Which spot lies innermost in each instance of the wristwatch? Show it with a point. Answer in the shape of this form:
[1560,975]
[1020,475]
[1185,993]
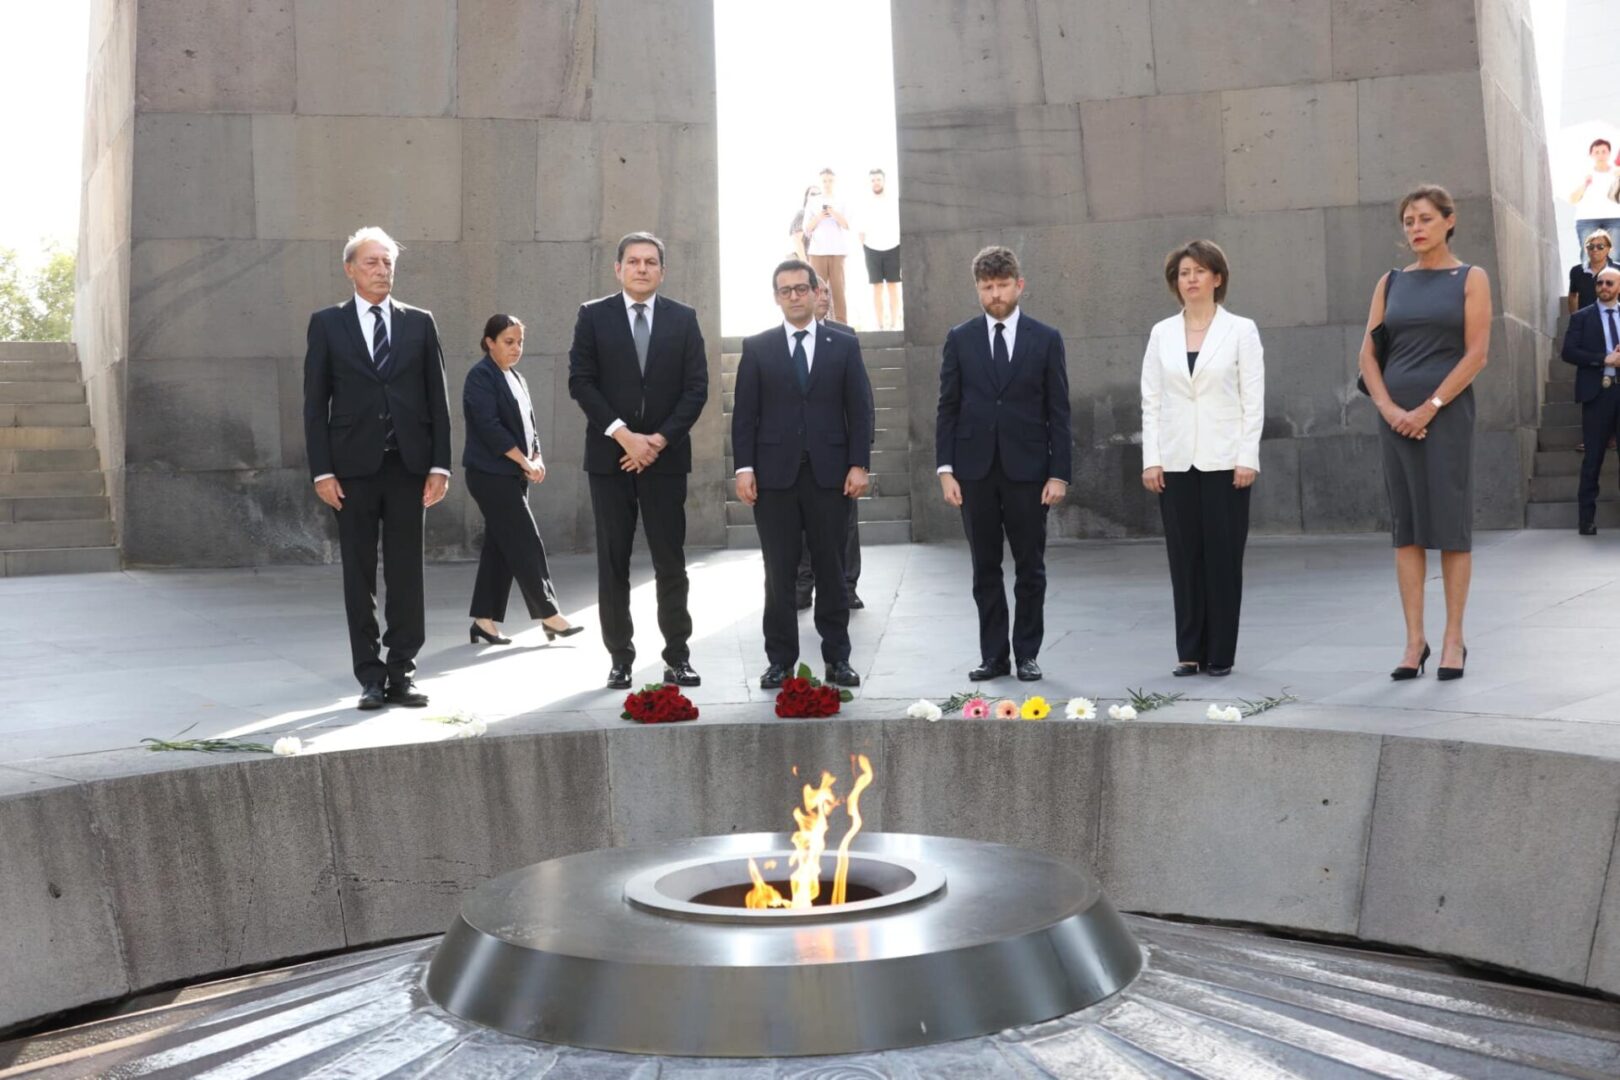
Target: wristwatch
[1436,402]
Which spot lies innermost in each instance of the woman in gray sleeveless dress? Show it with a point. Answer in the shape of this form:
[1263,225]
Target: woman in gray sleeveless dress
[1437,313]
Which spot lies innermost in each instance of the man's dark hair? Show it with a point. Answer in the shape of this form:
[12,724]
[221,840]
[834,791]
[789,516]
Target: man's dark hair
[641,238]
[1206,253]
[1599,142]
[496,326]
[790,265]
[994,263]
[878,172]
[827,172]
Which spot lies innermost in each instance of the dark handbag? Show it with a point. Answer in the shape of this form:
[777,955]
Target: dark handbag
[1380,336]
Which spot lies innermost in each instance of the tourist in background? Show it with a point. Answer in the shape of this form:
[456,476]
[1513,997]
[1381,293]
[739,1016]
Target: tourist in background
[502,458]
[1437,315]
[1595,197]
[1203,407]
[826,231]
[1599,247]
[796,227]
[1002,449]
[1592,344]
[880,240]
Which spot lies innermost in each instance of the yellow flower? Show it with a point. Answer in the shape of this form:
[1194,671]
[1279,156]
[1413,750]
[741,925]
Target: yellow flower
[1035,708]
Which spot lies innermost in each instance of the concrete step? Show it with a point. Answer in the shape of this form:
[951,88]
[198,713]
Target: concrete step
[887,484]
[20,461]
[39,370]
[882,508]
[46,438]
[37,415]
[1556,389]
[50,484]
[1560,414]
[19,508]
[81,560]
[1566,488]
[58,351]
[1565,515]
[26,392]
[746,537]
[22,536]
[1558,438]
[1565,462]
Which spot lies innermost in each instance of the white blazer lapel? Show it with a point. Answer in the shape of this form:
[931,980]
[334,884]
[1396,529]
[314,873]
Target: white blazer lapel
[1219,327]
[1173,350]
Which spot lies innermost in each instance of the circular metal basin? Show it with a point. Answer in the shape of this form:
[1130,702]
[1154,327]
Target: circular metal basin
[643,949]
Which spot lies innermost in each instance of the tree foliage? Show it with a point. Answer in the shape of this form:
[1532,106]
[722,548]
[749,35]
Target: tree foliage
[36,306]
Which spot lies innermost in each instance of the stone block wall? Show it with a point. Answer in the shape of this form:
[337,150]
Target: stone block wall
[1094,136]
[507,144]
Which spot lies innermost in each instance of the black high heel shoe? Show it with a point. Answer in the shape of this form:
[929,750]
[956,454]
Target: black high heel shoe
[1402,673]
[474,632]
[552,635]
[1446,674]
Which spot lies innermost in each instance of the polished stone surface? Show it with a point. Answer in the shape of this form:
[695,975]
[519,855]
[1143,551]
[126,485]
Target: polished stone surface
[91,664]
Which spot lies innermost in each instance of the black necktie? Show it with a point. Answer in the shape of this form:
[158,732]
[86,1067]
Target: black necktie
[998,351]
[379,340]
[1614,334]
[801,361]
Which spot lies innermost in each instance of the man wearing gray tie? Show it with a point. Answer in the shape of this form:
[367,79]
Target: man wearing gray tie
[638,370]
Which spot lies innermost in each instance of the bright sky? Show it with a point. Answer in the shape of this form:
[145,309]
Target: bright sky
[43,45]
[799,88]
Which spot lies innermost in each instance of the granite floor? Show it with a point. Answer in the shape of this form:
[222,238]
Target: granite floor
[89,665]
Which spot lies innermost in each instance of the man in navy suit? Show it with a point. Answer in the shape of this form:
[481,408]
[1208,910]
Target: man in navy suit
[801,435]
[1592,344]
[377,431]
[1002,448]
[638,370]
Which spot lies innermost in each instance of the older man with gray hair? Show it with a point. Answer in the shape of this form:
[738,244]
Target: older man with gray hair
[377,428]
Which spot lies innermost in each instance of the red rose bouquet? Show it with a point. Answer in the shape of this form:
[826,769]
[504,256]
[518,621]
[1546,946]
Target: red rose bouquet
[658,703]
[804,695]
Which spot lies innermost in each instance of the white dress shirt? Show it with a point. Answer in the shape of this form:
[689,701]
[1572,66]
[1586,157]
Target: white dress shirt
[525,409]
[630,313]
[809,355]
[368,325]
[1009,332]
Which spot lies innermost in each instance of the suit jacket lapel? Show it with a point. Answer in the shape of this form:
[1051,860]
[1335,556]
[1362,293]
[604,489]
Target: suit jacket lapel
[1020,352]
[662,332]
[403,331]
[1219,327]
[824,347]
[351,323]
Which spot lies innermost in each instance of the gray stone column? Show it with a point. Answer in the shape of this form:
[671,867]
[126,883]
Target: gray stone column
[1093,136]
[507,144]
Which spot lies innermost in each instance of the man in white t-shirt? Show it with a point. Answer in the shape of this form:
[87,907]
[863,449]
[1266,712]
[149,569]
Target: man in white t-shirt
[826,239]
[1594,196]
[880,239]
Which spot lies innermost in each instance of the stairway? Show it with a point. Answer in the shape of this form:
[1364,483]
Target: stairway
[54,517]
[885,512]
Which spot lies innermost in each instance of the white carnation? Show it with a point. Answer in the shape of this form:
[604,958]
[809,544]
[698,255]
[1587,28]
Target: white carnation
[1122,712]
[1229,713]
[289,746]
[923,709]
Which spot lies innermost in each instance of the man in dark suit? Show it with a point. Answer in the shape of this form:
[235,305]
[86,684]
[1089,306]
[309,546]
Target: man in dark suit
[1002,448]
[805,582]
[377,429]
[801,436]
[638,370]
[1592,344]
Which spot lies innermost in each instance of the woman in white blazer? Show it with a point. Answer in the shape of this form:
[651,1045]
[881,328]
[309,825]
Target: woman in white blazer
[1203,405]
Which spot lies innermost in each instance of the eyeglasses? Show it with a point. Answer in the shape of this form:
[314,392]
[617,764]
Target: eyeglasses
[788,292]
[1599,246]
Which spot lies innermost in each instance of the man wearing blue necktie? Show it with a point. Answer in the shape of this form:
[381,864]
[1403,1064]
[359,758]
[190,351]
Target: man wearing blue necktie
[1592,344]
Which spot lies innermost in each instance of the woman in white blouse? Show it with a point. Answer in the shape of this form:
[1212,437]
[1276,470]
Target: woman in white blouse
[1203,391]
[501,460]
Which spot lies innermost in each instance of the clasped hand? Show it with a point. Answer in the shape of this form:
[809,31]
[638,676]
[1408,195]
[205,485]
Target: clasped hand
[640,451]
[1413,423]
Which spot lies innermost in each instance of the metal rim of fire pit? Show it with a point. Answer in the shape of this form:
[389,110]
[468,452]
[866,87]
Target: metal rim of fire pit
[558,952]
[901,882]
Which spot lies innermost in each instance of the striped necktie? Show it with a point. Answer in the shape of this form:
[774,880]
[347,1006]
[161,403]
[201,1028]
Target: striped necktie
[379,340]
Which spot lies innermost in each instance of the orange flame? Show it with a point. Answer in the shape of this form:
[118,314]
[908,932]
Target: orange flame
[763,894]
[841,875]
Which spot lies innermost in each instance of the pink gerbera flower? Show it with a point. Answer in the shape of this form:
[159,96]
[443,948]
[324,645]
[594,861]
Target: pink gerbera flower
[975,708]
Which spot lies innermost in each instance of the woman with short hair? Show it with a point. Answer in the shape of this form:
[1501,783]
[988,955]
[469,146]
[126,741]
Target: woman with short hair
[1436,319]
[1203,406]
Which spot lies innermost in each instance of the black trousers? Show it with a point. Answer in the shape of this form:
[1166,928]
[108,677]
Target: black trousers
[992,509]
[659,499]
[386,505]
[806,579]
[512,549]
[788,520]
[1600,420]
[1206,525]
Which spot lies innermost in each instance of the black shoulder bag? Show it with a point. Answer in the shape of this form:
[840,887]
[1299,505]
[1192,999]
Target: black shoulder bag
[1380,335]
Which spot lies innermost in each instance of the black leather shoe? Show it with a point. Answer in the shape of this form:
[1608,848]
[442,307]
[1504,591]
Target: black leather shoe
[619,677]
[803,600]
[405,693]
[1588,528]
[989,670]
[1185,668]
[839,673]
[774,677]
[371,697]
[855,602]
[1029,671]
[681,674]
[1219,672]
